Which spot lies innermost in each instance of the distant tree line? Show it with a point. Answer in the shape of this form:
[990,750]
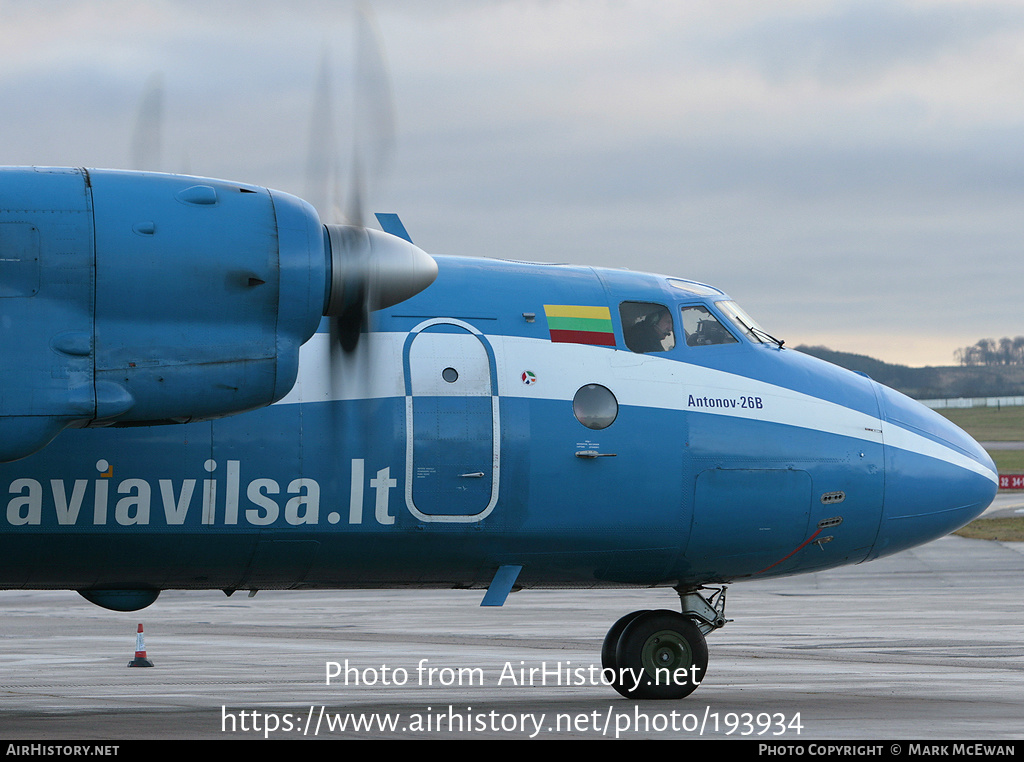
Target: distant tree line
[996,380]
[1006,351]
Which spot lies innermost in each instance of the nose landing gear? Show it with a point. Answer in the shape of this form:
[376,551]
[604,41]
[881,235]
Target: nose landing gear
[662,654]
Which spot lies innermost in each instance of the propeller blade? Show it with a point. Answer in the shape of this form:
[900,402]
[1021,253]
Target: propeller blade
[322,156]
[148,124]
[370,270]
[373,113]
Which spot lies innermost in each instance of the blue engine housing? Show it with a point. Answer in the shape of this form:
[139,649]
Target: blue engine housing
[131,298]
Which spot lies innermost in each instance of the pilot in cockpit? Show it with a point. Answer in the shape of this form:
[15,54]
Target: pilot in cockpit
[652,332]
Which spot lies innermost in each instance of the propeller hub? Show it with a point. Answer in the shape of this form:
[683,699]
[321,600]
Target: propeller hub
[371,270]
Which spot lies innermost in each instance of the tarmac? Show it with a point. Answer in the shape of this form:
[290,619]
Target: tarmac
[927,644]
[1006,504]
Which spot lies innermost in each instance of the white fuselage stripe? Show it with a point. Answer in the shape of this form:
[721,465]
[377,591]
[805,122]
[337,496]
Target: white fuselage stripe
[375,371]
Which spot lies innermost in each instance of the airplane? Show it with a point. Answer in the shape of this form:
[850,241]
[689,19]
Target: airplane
[205,387]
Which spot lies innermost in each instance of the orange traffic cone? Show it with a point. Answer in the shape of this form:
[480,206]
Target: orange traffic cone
[140,659]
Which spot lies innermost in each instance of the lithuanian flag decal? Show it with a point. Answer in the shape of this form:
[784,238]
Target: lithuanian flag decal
[576,324]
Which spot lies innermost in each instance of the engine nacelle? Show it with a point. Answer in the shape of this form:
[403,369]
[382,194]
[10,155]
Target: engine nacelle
[134,298]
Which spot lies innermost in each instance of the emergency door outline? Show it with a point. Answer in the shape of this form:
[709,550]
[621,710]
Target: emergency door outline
[426,377]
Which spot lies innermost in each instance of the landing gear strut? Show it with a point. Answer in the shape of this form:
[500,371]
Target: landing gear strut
[662,654]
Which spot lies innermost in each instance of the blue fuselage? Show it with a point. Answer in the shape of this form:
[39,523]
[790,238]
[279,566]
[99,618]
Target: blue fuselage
[501,417]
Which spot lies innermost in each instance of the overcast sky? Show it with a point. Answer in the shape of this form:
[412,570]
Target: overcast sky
[852,172]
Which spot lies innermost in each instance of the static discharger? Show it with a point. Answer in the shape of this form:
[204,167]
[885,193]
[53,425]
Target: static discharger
[140,659]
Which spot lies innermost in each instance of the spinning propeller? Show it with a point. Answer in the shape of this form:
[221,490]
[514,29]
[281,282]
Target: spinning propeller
[370,270]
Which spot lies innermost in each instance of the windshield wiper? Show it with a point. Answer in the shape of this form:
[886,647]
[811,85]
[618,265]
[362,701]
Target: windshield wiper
[764,335]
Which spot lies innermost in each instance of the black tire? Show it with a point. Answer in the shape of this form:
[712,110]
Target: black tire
[666,651]
[611,640]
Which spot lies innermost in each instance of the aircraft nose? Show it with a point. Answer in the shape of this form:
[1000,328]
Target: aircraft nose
[937,478]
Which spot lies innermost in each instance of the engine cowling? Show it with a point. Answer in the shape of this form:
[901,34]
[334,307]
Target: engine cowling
[134,298]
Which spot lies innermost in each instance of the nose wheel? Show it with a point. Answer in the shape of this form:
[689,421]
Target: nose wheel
[662,654]
[655,655]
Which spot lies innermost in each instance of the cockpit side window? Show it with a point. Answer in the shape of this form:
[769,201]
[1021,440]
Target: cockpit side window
[702,329]
[647,327]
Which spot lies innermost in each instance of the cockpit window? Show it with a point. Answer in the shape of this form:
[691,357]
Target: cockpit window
[702,329]
[746,324]
[647,327]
